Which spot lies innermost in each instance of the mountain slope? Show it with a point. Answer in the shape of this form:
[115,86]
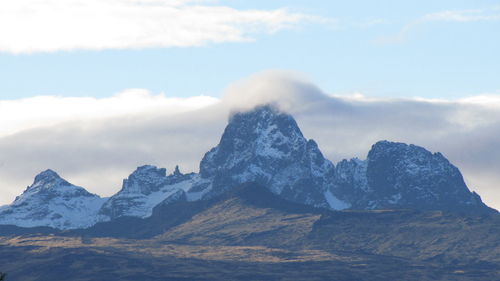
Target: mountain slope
[110,259]
[54,202]
[165,217]
[250,233]
[251,215]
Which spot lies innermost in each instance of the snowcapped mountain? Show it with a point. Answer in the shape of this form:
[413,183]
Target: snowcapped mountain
[54,202]
[267,147]
[398,175]
[145,188]
[264,146]
[409,176]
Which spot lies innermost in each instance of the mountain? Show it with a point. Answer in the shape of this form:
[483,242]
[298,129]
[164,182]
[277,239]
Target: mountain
[398,175]
[54,202]
[266,205]
[410,176]
[145,188]
[264,146]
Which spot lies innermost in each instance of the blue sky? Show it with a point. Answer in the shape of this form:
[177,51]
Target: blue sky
[431,49]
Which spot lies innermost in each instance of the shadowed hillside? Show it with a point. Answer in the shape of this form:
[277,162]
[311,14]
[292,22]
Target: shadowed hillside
[251,234]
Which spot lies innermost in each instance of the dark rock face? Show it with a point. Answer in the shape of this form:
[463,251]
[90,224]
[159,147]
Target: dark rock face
[267,147]
[350,182]
[398,175]
[401,175]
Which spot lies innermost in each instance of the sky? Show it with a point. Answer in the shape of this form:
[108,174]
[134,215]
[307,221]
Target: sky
[446,49]
[95,88]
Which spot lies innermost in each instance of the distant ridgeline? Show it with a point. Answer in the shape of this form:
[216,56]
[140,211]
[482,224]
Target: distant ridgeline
[266,147]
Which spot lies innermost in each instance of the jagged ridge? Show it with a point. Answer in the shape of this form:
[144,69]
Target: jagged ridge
[264,146]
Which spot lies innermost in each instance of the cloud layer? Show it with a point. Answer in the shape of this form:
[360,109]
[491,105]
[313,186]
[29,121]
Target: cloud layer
[28,26]
[43,111]
[99,147]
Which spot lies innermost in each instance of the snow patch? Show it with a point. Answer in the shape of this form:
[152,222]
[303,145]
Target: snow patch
[334,202]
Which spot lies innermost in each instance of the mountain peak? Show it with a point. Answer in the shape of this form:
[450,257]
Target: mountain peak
[264,116]
[52,201]
[412,158]
[263,132]
[260,113]
[46,176]
[400,174]
[266,146]
[145,188]
[149,170]
[46,180]
[144,180]
[177,171]
[385,145]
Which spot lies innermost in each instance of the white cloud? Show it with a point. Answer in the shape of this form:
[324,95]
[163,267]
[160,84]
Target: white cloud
[458,16]
[28,26]
[487,100]
[97,150]
[23,114]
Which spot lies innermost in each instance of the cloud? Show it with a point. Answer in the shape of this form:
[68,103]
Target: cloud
[452,16]
[290,90]
[104,140]
[98,150]
[19,115]
[460,16]
[29,26]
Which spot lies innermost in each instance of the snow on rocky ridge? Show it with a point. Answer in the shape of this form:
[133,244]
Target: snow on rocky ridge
[54,202]
[145,188]
[265,146]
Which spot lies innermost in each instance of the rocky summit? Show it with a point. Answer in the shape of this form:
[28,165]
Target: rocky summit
[54,202]
[266,146]
[263,146]
[409,176]
[397,176]
[145,188]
